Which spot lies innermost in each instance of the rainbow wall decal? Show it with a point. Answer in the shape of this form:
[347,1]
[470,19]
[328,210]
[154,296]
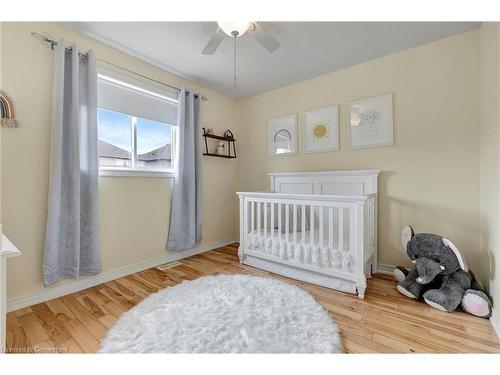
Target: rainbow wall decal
[6,111]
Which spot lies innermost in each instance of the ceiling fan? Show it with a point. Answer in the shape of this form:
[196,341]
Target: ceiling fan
[235,30]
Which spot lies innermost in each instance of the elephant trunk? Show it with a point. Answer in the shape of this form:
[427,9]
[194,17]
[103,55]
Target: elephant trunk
[427,270]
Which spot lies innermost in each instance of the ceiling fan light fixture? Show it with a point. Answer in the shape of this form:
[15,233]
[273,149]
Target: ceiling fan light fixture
[234,29]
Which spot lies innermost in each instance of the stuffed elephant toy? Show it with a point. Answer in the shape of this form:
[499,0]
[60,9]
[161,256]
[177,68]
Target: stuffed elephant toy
[440,275]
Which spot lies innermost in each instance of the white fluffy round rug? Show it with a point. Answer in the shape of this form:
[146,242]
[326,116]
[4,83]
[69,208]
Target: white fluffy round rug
[226,314]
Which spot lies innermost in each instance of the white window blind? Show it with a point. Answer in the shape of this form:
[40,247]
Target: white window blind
[139,100]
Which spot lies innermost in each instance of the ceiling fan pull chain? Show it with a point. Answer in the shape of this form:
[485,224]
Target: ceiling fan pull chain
[234,62]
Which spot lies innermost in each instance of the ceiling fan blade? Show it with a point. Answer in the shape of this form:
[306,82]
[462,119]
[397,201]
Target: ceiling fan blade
[214,42]
[268,41]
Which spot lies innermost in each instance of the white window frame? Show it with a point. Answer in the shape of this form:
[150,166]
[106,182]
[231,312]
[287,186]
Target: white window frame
[134,171]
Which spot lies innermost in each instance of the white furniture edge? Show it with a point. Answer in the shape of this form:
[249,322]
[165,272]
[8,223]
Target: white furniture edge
[7,250]
[366,172]
[312,197]
[88,282]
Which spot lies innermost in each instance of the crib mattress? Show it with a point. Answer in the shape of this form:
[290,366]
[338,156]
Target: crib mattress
[304,250]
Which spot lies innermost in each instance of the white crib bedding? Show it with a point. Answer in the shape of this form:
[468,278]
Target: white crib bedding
[322,255]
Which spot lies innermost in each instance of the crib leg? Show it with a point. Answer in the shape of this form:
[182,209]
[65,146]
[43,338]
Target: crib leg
[240,253]
[361,287]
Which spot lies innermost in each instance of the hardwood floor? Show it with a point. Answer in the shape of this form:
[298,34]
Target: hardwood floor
[384,322]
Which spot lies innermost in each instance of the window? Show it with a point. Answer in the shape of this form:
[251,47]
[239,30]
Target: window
[154,144]
[115,139]
[136,128]
[132,142]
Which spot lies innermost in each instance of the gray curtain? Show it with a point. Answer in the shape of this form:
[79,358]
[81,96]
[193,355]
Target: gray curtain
[72,232]
[185,215]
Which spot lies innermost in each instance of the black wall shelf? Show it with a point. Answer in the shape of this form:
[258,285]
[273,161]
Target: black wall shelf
[230,144]
[220,156]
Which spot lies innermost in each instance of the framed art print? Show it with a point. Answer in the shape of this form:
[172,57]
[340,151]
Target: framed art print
[282,134]
[321,130]
[371,122]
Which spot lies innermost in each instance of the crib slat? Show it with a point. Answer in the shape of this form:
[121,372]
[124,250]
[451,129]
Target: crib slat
[287,221]
[320,240]
[311,229]
[258,217]
[271,226]
[303,223]
[252,217]
[341,228]
[265,224]
[330,227]
[279,219]
[295,224]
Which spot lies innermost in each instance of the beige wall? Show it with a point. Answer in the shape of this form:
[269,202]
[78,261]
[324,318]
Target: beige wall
[490,159]
[430,177]
[134,211]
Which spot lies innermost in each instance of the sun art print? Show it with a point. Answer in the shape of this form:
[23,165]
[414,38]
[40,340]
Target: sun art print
[321,130]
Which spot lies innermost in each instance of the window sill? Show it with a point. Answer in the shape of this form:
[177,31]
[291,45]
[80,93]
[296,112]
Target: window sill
[129,172]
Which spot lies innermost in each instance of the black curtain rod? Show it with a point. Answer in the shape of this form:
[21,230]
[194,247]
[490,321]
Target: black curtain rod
[44,38]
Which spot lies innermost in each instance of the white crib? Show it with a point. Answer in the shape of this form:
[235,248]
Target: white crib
[318,227]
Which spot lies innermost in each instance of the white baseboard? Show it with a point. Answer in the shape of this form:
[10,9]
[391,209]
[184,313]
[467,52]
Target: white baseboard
[88,282]
[385,269]
[495,322]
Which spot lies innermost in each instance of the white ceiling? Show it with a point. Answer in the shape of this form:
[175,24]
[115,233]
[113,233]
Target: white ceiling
[308,49]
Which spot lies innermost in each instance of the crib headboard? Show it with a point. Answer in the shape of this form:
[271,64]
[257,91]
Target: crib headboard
[325,183]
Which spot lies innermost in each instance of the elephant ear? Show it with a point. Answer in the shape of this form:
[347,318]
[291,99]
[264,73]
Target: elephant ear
[406,235]
[460,258]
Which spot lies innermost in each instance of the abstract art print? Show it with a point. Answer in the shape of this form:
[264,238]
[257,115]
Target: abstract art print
[283,135]
[321,130]
[371,122]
